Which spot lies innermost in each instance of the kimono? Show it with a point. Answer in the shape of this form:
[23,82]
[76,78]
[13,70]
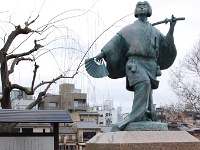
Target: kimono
[139,52]
[144,43]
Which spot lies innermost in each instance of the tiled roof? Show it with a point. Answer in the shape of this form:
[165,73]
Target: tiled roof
[33,125]
[34,116]
[86,125]
[67,129]
[88,113]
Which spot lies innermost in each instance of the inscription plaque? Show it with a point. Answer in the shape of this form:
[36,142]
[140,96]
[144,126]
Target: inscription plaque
[27,143]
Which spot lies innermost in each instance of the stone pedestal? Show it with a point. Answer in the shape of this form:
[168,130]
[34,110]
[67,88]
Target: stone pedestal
[143,140]
[146,126]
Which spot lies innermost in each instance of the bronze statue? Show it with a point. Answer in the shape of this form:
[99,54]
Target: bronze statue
[139,52]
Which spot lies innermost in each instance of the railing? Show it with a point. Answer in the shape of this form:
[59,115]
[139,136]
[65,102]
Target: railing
[80,106]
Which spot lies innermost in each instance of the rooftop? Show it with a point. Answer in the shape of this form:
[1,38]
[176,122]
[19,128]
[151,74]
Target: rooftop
[33,125]
[88,113]
[67,129]
[86,125]
[34,116]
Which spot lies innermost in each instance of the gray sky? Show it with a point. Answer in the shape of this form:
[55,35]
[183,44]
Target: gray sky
[103,14]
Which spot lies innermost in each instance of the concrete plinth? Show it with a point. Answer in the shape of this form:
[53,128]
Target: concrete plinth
[146,126]
[143,140]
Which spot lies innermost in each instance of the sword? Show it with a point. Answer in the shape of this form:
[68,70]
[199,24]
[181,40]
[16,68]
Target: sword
[168,20]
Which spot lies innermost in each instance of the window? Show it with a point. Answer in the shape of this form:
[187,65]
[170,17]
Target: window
[27,130]
[70,110]
[71,147]
[70,137]
[159,113]
[108,114]
[53,104]
[15,94]
[21,107]
[79,102]
[61,138]
[88,135]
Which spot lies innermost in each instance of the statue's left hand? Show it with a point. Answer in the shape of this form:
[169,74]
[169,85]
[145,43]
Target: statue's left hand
[172,24]
[173,21]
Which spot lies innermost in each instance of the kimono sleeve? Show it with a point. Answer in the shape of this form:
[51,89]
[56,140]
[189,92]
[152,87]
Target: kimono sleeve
[167,52]
[115,51]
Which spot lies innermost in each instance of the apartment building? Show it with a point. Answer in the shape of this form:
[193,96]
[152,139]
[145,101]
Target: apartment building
[108,115]
[69,98]
[20,100]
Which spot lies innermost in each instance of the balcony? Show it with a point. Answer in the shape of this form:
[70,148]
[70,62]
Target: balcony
[80,104]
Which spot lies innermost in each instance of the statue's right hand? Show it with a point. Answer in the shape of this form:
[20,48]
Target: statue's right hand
[100,56]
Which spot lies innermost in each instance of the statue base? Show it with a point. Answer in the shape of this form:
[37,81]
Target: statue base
[142,126]
[144,140]
[146,126]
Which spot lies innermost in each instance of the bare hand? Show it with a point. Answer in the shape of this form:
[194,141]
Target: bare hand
[172,24]
[173,21]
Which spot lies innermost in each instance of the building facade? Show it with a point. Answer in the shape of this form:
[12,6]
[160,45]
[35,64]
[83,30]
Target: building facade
[108,115]
[20,100]
[68,138]
[32,128]
[161,116]
[69,98]
[85,131]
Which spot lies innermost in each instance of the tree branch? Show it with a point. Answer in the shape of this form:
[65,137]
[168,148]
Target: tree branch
[34,76]
[43,93]
[27,24]
[16,62]
[18,30]
[22,88]
[36,47]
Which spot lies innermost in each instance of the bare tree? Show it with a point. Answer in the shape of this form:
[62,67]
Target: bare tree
[173,112]
[185,79]
[11,57]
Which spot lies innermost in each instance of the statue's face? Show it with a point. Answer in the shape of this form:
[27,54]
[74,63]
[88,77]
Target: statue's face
[142,9]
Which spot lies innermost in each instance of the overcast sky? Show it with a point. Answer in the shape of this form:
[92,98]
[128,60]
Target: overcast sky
[102,15]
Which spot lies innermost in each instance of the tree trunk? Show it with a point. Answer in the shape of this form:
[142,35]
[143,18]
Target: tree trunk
[6,86]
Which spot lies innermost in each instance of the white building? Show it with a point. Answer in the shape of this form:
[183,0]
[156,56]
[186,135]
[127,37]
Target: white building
[107,113]
[20,100]
[18,94]
[22,104]
[32,128]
